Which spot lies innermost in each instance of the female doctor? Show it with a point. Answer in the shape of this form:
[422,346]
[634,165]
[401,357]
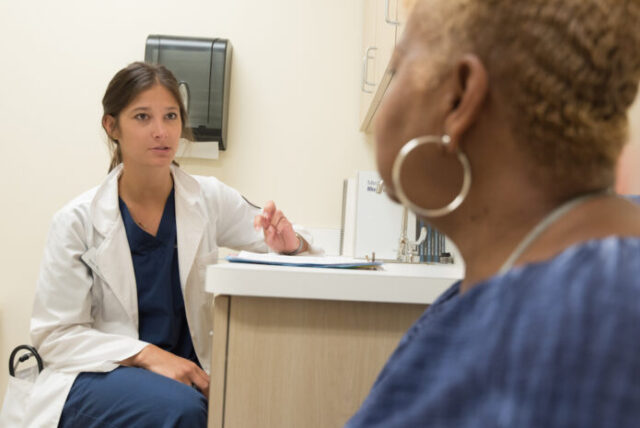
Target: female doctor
[121,317]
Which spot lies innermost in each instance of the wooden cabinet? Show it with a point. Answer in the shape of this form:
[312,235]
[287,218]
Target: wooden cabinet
[384,22]
[298,362]
[301,347]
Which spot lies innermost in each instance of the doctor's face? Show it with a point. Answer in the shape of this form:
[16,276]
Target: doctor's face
[149,128]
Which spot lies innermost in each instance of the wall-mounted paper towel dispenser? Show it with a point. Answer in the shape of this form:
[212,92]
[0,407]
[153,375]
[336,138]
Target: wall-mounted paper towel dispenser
[202,66]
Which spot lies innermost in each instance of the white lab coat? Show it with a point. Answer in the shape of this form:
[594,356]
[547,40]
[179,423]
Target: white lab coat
[85,315]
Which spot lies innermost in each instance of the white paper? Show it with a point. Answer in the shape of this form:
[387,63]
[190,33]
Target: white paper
[325,261]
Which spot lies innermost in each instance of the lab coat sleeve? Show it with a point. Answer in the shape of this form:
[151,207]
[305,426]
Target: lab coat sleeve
[62,323]
[235,224]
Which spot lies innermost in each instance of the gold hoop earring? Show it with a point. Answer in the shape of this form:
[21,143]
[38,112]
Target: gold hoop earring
[397,167]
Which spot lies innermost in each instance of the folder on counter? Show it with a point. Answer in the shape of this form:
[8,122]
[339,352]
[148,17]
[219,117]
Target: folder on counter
[302,261]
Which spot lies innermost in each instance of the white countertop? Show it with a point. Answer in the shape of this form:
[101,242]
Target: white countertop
[396,283]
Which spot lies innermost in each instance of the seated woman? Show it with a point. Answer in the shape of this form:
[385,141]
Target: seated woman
[502,127]
[121,317]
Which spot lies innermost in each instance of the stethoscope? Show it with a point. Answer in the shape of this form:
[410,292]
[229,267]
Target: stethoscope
[31,352]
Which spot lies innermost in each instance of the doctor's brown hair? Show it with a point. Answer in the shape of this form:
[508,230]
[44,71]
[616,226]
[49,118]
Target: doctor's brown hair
[567,70]
[126,85]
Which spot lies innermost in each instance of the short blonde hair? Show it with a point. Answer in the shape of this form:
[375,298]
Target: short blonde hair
[567,69]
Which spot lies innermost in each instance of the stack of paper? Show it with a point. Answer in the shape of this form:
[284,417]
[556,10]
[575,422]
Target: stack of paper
[302,261]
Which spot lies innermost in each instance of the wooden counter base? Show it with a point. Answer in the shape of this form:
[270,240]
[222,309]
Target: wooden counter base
[280,362]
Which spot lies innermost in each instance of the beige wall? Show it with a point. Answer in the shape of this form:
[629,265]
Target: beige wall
[629,165]
[293,131]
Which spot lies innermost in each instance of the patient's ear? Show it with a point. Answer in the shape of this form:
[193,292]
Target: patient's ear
[470,91]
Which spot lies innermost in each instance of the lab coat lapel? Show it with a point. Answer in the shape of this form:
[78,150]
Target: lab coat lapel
[191,220]
[112,256]
[115,264]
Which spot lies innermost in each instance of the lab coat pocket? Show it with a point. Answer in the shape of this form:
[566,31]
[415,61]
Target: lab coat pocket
[17,397]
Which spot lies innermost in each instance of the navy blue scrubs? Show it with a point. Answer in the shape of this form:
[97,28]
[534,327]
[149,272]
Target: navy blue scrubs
[130,396]
[161,314]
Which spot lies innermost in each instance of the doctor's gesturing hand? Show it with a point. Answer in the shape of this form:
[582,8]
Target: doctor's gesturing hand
[278,231]
[165,363]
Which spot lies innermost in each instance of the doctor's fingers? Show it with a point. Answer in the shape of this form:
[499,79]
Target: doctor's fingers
[284,226]
[259,222]
[266,217]
[273,239]
[269,209]
[277,218]
[190,374]
[269,234]
[201,381]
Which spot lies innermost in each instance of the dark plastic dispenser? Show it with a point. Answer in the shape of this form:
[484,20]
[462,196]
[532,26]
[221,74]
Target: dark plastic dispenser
[202,66]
